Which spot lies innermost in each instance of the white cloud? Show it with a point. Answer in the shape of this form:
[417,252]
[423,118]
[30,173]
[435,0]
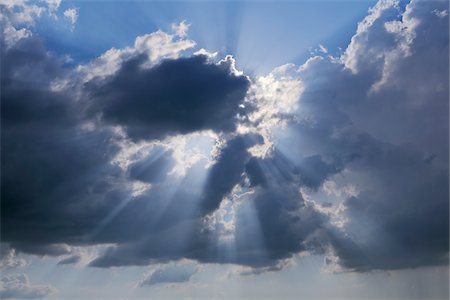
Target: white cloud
[18,286]
[25,14]
[323,49]
[9,259]
[156,46]
[18,16]
[180,29]
[160,45]
[52,5]
[13,35]
[404,32]
[274,96]
[71,15]
[206,53]
[359,42]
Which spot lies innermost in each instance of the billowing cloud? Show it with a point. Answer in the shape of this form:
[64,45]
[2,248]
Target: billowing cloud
[156,46]
[227,171]
[18,18]
[375,118]
[175,97]
[381,113]
[47,149]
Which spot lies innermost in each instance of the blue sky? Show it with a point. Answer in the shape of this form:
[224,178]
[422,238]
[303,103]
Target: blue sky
[282,33]
[224,150]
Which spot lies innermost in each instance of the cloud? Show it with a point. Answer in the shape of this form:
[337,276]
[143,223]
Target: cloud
[180,29]
[71,15]
[18,286]
[19,17]
[154,47]
[170,275]
[227,171]
[53,5]
[90,154]
[175,97]
[361,113]
[152,168]
[9,258]
[47,149]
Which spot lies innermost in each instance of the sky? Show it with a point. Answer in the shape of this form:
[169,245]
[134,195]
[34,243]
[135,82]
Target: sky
[224,149]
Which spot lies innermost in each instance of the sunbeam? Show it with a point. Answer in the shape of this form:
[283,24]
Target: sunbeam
[224,149]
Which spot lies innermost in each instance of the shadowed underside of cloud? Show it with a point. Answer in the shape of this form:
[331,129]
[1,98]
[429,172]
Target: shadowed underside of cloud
[170,275]
[70,260]
[379,114]
[175,97]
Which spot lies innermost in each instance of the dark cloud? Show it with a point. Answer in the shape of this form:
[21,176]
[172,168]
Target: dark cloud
[42,249]
[153,168]
[59,186]
[70,260]
[175,97]
[51,166]
[383,124]
[26,77]
[227,170]
[281,226]
[276,218]
[310,171]
[397,207]
[276,169]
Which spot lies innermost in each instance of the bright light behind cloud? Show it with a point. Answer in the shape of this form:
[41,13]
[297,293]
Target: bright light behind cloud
[216,156]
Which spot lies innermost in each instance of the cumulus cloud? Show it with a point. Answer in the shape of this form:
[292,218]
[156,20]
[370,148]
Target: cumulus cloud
[155,47]
[76,193]
[41,133]
[227,171]
[360,113]
[175,97]
[71,174]
[19,17]
[18,286]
